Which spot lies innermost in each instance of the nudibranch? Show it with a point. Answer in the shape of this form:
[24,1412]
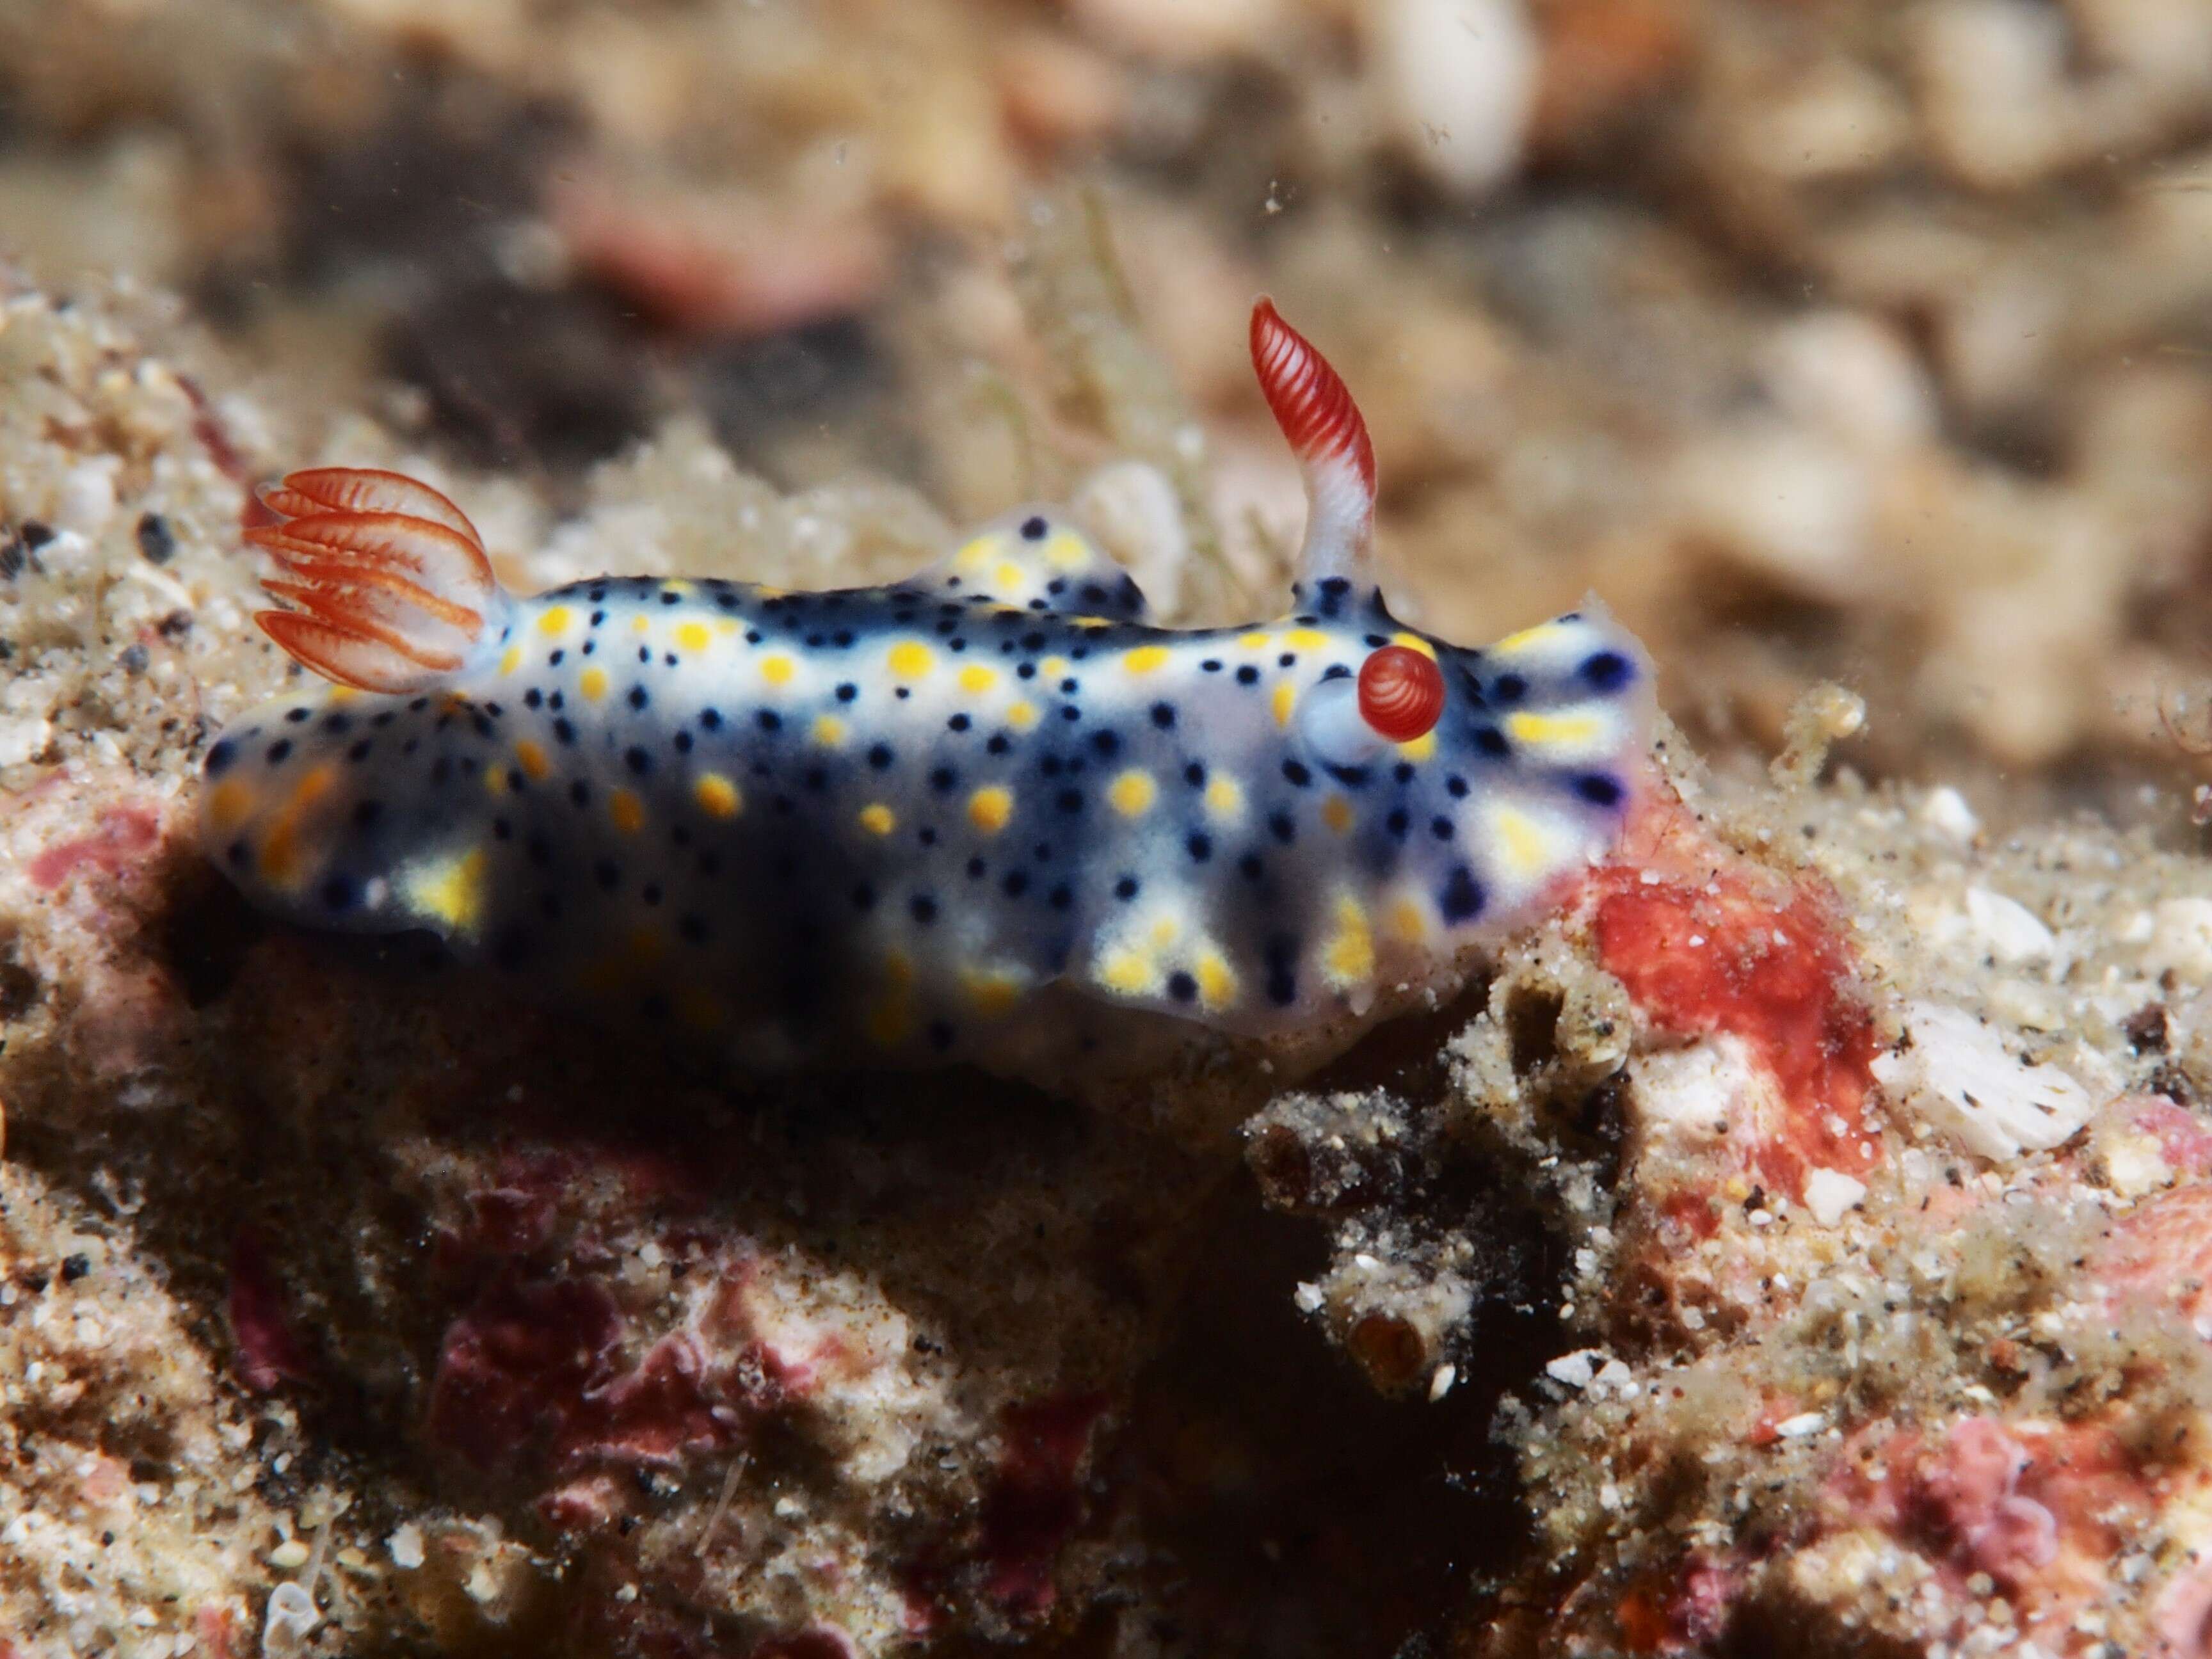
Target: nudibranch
[929,819]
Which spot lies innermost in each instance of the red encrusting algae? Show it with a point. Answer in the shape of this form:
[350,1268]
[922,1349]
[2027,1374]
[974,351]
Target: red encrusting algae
[1710,945]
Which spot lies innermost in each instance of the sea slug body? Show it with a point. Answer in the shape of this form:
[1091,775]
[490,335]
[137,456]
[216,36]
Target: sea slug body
[885,820]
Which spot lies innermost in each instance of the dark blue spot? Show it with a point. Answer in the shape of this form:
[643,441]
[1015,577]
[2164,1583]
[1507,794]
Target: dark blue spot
[1609,671]
[219,757]
[1598,789]
[1462,896]
[1181,986]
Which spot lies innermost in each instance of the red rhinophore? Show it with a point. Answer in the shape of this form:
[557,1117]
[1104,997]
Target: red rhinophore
[1311,402]
[1401,693]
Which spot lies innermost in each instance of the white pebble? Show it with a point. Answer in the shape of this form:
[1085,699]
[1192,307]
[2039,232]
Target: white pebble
[1831,1194]
[1958,1076]
[406,1546]
[1576,1369]
[2181,939]
[1945,810]
[1459,80]
[2007,929]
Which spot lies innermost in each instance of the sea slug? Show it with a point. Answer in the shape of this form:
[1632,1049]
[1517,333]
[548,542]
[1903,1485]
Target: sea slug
[918,820]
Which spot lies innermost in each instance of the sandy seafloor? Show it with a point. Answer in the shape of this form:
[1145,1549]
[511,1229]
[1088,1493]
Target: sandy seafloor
[1798,1244]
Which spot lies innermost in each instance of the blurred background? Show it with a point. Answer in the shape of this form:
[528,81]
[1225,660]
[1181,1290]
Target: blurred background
[1867,341]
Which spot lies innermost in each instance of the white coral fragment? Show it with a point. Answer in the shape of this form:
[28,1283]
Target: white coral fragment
[1956,1074]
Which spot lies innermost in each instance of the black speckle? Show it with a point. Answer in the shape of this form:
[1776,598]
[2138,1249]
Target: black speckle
[1181,986]
[1163,715]
[341,892]
[639,697]
[637,760]
[1441,829]
[564,730]
[1061,898]
[943,780]
[1282,827]
[1296,772]
[1508,688]
[1457,786]
[672,598]
[1069,800]
[1194,776]
[1033,528]
[1015,883]
[1126,888]
[1397,822]
[1492,742]
[1200,846]
[1598,789]
[847,691]
[280,752]
[75,1267]
[1247,675]
[768,720]
[710,720]
[219,757]
[155,539]
[879,756]
[1107,743]
[295,716]
[922,907]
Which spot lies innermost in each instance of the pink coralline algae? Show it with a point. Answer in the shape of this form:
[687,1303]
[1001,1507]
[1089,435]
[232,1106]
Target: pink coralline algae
[121,836]
[1035,1502]
[537,1366]
[270,1351]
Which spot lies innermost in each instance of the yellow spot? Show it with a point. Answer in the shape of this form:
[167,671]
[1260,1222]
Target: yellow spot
[510,659]
[1420,748]
[1021,715]
[1305,639]
[1255,641]
[677,585]
[991,992]
[1216,981]
[627,811]
[591,684]
[279,857]
[228,805]
[777,669]
[910,660]
[1336,813]
[555,622]
[1225,799]
[1008,577]
[1146,658]
[1530,639]
[341,694]
[1093,622]
[1414,642]
[1569,731]
[1349,955]
[726,626]
[695,637]
[988,810]
[764,592]
[976,678]
[450,890]
[1528,847]
[1066,552]
[717,796]
[877,819]
[828,731]
[1133,793]
[641,623]
[974,556]
[1053,667]
[891,1018]
[1409,921]
[1165,931]
[701,1010]
[532,760]
[1131,975]
[1284,700]
[498,780]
